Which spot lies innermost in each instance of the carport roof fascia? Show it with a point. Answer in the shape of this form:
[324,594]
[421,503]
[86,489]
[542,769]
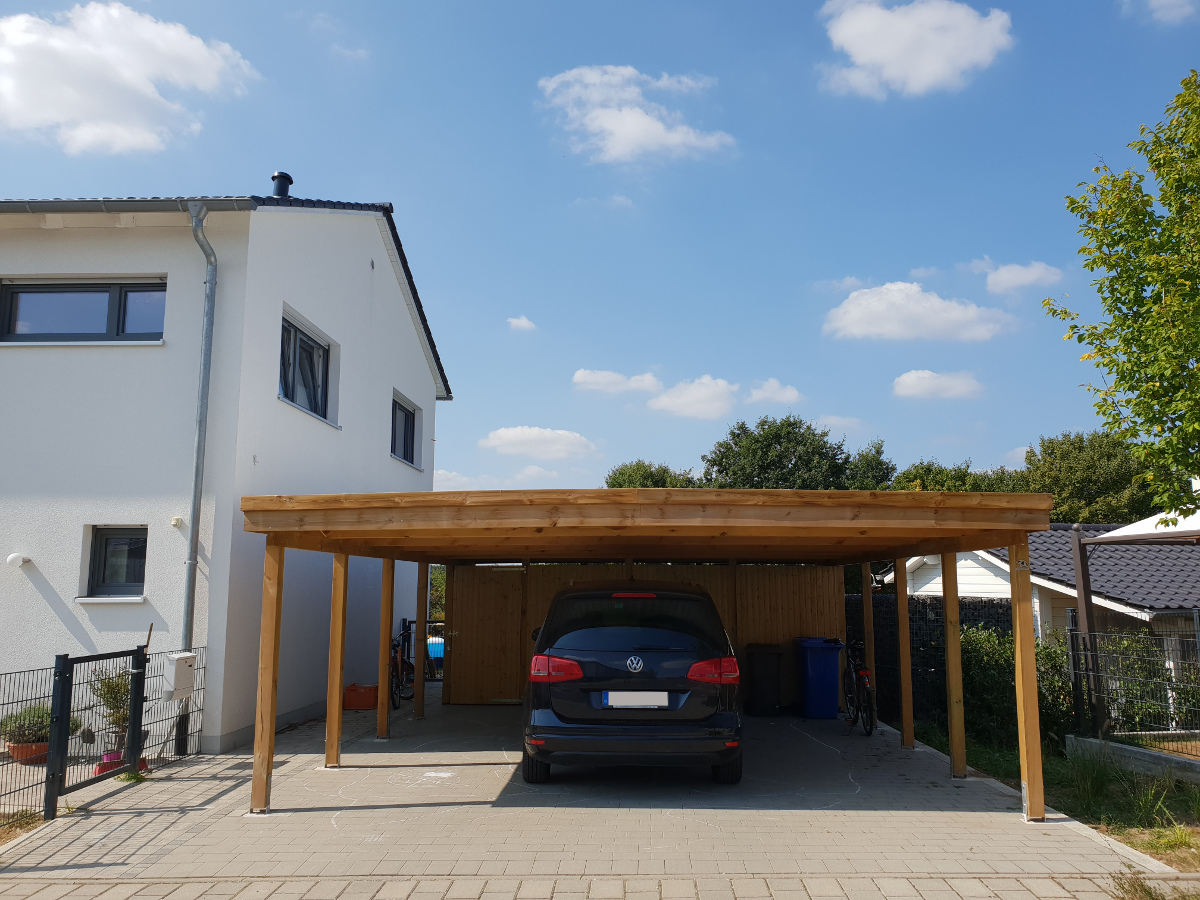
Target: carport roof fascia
[777,526]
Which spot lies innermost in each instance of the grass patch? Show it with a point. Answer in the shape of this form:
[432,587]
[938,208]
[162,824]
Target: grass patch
[130,777]
[1133,886]
[13,825]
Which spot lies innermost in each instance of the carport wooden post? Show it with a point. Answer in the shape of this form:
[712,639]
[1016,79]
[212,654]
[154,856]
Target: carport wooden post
[268,677]
[906,702]
[868,619]
[419,630]
[1029,729]
[954,692]
[387,593]
[337,662]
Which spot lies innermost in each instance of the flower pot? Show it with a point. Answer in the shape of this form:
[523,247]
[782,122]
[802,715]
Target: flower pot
[113,755]
[29,754]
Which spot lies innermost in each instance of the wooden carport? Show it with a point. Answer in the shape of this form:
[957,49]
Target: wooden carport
[823,528]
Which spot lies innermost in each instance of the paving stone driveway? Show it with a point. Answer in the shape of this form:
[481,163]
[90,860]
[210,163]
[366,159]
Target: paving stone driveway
[440,813]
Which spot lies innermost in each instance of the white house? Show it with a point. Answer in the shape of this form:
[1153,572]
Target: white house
[324,378]
[1135,587]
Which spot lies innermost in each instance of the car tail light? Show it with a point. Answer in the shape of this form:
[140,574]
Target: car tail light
[715,671]
[551,669]
[643,596]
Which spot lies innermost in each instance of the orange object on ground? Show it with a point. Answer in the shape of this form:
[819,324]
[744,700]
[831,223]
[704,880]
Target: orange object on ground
[360,696]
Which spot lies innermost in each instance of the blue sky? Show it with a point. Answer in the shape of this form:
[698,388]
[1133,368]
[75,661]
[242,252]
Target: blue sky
[633,224]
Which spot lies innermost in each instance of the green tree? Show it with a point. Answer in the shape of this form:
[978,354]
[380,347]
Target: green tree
[931,475]
[1094,477]
[792,453]
[1145,243]
[641,474]
[437,593]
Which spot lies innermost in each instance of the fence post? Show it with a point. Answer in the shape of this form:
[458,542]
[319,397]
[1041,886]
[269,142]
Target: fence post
[1077,682]
[60,735]
[137,701]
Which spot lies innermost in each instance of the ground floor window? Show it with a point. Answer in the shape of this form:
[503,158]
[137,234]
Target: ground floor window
[118,562]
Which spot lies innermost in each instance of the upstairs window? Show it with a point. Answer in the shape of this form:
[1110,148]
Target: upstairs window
[404,432]
[304,370]
[118,562]
[82,312]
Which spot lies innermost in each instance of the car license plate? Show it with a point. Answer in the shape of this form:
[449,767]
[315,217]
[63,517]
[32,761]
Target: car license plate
[636,699]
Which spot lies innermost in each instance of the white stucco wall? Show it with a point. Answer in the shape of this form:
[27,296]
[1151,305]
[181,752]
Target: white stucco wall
[104,436]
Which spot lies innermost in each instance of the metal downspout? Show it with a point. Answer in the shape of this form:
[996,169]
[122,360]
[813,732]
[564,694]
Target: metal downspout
[198,212]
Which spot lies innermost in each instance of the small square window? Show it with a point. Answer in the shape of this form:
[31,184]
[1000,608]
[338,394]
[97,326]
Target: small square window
[304,370]
[118,562]
[404,432]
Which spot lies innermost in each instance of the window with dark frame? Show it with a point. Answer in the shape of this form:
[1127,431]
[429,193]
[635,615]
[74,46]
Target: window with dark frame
[404,432]
[118,562]
[304,370]
[82,312]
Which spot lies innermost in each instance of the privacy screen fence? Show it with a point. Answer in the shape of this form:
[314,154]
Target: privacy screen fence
[87,719]
[1140,689]
[927,639]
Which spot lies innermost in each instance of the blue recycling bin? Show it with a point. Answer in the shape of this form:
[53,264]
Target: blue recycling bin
[817,676]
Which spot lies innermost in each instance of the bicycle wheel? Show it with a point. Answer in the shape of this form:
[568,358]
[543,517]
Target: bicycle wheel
[866,704]
[406,680]
[394,686]
[849,685]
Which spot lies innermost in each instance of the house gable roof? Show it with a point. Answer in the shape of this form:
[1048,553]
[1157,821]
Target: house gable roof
[249,203]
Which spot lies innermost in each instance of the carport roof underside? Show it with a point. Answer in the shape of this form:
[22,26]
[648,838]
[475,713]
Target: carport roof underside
[692,525]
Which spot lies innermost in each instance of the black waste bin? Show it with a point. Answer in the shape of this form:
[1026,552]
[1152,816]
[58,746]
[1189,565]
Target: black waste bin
[817,676]
[764,664]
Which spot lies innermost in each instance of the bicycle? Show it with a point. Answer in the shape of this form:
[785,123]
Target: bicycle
[403,673]
[856,686]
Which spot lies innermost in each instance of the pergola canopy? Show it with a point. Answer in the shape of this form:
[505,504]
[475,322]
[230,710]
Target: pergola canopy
[670,525]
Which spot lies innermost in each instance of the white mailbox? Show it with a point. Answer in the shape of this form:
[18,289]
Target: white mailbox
[179,675]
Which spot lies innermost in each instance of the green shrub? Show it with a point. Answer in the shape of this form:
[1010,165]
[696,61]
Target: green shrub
[30,725]
[112,690]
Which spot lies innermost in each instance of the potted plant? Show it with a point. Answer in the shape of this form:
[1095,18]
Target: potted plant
[112,690]
[27,734]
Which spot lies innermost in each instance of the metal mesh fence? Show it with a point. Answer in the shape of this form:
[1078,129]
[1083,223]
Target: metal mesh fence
[25,731]
[927,641]
[98,727]
[1140,689]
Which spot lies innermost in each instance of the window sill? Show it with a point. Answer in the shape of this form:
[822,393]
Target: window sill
[307,412]
[132,598]
[11,344]
[407,463]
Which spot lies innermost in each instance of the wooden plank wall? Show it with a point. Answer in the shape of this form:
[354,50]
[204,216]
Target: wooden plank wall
[492,617]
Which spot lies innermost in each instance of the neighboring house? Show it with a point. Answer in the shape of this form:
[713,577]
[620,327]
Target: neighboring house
[324,379]
[1134,587]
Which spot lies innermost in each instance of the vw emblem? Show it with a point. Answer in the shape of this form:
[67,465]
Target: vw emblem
[634,663]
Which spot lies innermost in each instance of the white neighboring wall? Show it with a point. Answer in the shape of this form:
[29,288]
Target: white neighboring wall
[103,435]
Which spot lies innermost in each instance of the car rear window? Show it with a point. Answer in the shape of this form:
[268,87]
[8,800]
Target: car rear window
[595,621]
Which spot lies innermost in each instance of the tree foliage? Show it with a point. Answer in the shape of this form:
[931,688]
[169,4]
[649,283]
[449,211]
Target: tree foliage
[642,474]
[1094,477]
[1145,245]
[931,475]
[437,593]
[792,453]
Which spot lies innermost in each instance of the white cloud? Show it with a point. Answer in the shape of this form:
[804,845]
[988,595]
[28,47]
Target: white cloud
[445,480]
[613,121]
[521,323]
[538,443]
[534,473]
[772,391]
[92,76]
[356,53]
[704,398]
[616,201]
[849,283]
[921,383]
[1166,11]
[839,423]
[901,310]
[614,382]
[923,272]
[1012,277]
[1015,458]
[913,48]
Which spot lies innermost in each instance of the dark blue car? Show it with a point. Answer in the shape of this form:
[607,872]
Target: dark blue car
[633,677]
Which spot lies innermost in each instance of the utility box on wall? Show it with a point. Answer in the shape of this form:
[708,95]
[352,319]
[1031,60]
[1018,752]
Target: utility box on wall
[179,675]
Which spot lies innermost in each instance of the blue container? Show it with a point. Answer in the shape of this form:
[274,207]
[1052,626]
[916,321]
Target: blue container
[817,676]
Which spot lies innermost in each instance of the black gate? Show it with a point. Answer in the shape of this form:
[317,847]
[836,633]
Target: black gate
[95,721]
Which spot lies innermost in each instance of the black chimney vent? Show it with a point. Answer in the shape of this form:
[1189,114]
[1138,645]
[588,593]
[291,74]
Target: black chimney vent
[282,182]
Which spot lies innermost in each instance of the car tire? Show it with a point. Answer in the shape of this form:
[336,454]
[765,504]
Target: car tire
[533,770]
[728,772]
